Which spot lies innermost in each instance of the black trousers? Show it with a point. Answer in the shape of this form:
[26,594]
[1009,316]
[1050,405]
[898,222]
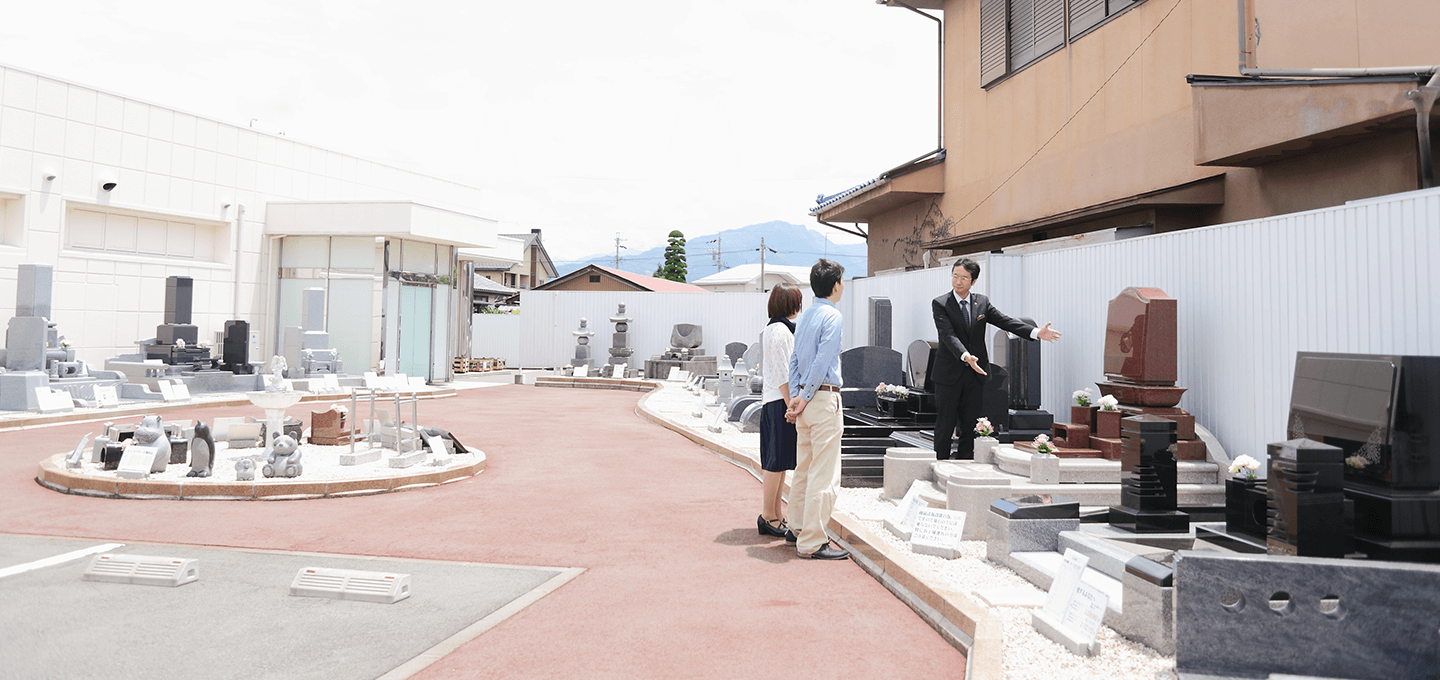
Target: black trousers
[957,407]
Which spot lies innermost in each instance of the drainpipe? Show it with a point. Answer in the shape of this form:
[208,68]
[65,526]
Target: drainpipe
[1424,96]
[239,247]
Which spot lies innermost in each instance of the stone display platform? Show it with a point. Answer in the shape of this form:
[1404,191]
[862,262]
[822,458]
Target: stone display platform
[323,478]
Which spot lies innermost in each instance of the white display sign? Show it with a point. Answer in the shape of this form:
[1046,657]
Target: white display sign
[167,391]
[937,532]
[582,371]
[181,391]
[1066,580]
[49,401]
[106,397]
[902,520]
[1085,611]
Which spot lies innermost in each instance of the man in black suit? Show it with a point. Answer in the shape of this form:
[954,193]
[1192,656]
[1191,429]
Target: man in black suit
[960,318]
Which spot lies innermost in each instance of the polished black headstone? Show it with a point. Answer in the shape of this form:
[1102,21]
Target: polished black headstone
[1042,506]
[880,321]
[1246,503]
[862,369]
[1021,359]
[235,355]
[1307,506]
[179,296]
[920,354]
[1148,495]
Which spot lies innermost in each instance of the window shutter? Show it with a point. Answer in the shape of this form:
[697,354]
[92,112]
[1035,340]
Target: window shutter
[1049,25]
[993,44]
[1084,14]
[1117,5]
[1022,32]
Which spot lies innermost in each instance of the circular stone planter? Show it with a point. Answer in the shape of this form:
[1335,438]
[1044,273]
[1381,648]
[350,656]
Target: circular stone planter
[365,480]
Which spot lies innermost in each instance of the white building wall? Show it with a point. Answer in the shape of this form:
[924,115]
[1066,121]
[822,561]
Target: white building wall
[169,164]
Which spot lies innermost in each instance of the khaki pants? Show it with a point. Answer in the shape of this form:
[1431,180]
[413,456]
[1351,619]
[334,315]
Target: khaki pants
[817,470]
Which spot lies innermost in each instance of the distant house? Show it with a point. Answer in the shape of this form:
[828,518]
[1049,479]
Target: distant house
[518,261]
[746,278]
[489,294]
[595,277]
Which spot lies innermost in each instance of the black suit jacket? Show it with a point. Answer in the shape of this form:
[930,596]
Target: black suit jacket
[956,338]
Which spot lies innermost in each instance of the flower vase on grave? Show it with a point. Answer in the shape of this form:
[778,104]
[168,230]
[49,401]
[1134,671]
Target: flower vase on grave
[985,449]
[1085,415]
[892,407]
[1107,424]
[1245,506]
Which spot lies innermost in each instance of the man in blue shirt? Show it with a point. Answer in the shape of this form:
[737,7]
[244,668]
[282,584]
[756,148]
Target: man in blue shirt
[815,410]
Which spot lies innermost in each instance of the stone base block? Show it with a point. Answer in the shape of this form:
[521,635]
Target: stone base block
[1045,470]
[1143,395]
[903,467]
[1190,449]
[405,460]
[17,390]
[1184,422]
[1109,448]
[1083,415]
[948,552]
[1149,521]
[1005,535]
[360,457]
[1071,435]
[1107,424]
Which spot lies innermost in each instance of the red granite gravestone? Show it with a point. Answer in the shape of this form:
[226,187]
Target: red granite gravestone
[1141,350]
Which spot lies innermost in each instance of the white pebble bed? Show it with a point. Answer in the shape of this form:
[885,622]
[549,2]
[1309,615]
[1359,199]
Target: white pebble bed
[1028,655]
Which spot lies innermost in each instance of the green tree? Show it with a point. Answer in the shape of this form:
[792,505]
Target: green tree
[674,267]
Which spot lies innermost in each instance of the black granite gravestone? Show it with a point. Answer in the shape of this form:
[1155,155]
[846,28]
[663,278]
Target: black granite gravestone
[880,321]
[1307,506]
[862,369]
[1148,495]
[1383,412]
[922,388]
[235,355]
[176,339]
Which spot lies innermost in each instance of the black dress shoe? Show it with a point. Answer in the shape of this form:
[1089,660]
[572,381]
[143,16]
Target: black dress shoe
[768,529]
[827,552]
[790,537]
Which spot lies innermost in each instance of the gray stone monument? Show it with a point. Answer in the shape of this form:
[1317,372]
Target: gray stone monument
[880,321]
[177,340]
[735,350]
[307,347]
[35,353]
[582,345]
[620,349]
[684,353]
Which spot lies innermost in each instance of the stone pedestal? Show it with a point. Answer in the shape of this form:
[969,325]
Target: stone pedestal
[903,466]
[1148,492]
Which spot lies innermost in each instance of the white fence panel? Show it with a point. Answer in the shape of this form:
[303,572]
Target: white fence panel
[549,319]
[496,336]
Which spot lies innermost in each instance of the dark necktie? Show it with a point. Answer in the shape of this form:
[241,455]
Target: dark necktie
[965,312]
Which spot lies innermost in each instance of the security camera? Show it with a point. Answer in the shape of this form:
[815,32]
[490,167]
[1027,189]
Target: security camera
[108,183]
[49,175]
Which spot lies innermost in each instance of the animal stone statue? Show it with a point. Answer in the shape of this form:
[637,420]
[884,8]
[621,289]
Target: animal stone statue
[244,470]
[202,451]
[284,460]
[151,434]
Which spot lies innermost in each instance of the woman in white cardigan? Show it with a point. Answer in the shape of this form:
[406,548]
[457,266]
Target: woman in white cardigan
[777,437]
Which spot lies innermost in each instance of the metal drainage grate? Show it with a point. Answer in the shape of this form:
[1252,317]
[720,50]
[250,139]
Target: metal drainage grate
[143,569]
[348,584]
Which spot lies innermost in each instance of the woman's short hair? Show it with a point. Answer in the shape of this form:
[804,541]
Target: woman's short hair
[785,301]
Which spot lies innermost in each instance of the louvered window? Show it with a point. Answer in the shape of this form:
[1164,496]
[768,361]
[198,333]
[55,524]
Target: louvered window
[1014,33]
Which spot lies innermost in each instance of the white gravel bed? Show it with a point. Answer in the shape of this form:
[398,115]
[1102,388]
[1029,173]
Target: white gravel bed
[1028,654]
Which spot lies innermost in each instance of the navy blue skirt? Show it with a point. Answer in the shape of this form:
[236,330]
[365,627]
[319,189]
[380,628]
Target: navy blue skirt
[777,438]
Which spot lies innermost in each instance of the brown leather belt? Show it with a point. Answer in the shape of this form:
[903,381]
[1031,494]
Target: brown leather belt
[830,388]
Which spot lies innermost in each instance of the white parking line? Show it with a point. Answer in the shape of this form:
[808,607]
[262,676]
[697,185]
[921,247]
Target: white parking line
[58,559]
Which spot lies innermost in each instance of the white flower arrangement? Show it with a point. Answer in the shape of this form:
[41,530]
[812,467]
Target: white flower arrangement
[899,391]
[1043,445]
[1082,397]
[1356,461]
[1108,402]
[1246,463]
[984,428]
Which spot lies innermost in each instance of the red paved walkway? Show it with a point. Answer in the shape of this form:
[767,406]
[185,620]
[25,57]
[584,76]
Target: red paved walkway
[678,584]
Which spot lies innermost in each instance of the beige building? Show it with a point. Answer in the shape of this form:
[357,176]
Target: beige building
[593,277]
[517,261]
[1066,117]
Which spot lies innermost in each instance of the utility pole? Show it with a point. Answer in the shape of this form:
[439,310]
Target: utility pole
[715,254]
[618,247]
[762,264]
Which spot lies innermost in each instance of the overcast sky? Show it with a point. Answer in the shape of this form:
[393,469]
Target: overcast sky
[579,117]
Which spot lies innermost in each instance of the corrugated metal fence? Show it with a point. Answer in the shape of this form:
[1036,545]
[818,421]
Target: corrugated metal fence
[1356,278]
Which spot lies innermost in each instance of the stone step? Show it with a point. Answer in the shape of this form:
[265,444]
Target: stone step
[1108,557]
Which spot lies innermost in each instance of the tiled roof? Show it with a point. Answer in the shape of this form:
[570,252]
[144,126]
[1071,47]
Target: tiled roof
[652,283]
[485,285]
